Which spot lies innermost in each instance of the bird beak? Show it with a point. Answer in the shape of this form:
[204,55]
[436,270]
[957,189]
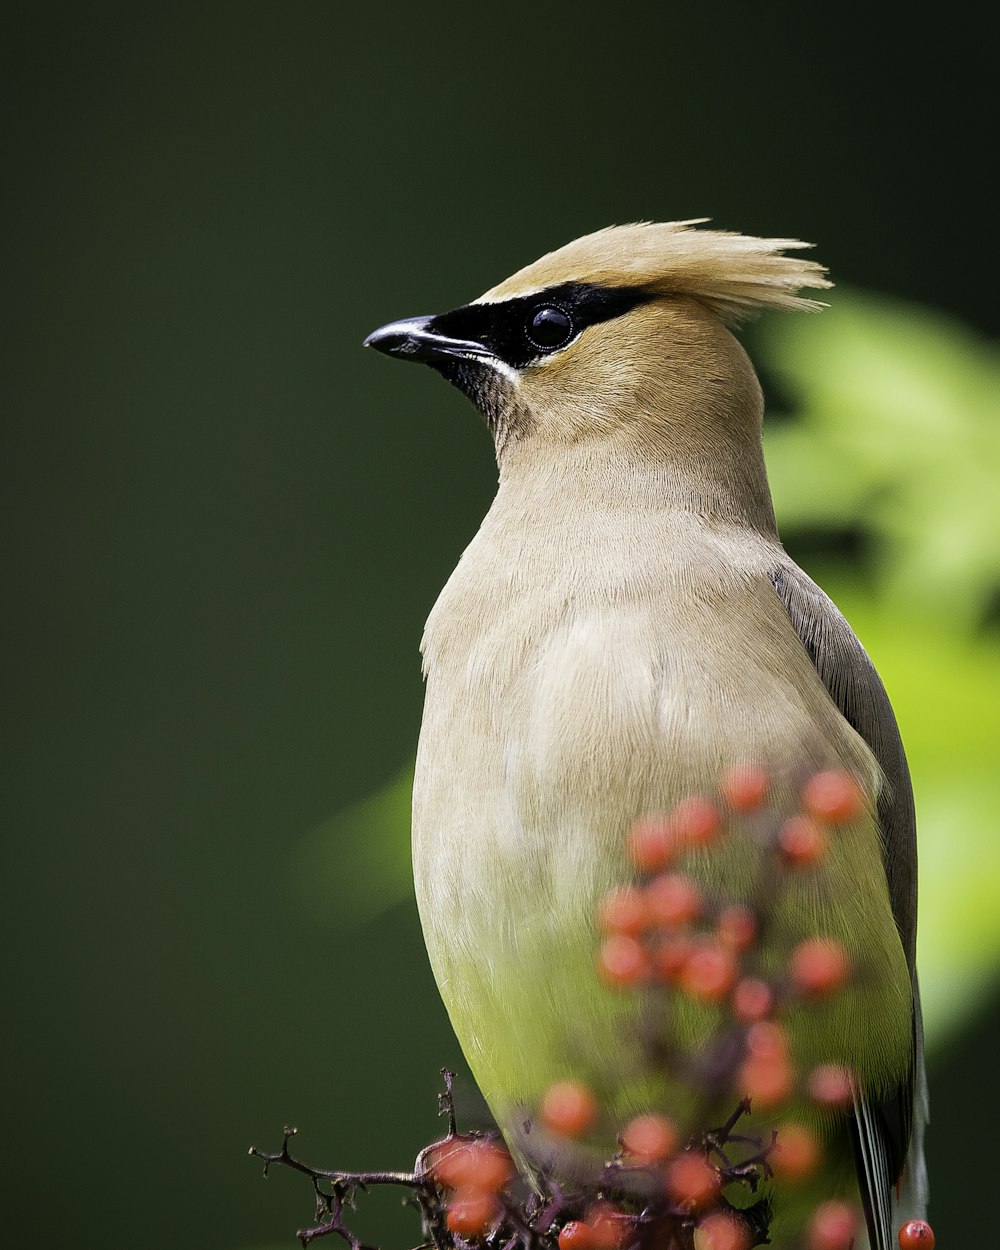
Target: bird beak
[414,338]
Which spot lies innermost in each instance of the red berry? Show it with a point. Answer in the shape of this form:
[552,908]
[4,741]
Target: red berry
[609,1227]
[472,1164]
[650,1138]
[830,1085]
[768,1040]
[737,927]
[695,820]
[576,1235]
[441,1162]
[670,956]
[766,1080]
[492,1167]
[722,1232]
[752,1000]
[672,900]
[833,796]
[471,1212]
[651,843]
[801,841]
[447,1162]
[819,966]
[833,1227]
[709,972]
[745,786]
[623,910]
[796,1154]
[916,1235]
[569,1108]
[692,1182]
[622,960]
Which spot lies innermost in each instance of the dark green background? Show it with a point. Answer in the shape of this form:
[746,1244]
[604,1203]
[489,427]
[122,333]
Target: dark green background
[225,523]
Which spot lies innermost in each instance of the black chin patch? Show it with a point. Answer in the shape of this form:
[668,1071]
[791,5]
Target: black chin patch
[492,394]
[505,327]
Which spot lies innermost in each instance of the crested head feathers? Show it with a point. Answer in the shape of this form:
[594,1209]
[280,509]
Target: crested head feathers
[737,276]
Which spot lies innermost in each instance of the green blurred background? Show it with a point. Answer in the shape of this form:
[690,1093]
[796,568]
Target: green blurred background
[226,523]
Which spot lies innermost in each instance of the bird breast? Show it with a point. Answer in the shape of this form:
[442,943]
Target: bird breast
[576,682]
[579,676]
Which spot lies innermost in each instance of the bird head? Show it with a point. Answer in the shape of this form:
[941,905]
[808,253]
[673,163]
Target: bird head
[620,340]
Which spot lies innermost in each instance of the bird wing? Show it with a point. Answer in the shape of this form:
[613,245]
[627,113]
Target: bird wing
[887,1130]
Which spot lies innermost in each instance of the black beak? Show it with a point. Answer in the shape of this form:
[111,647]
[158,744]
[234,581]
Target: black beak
[414,338]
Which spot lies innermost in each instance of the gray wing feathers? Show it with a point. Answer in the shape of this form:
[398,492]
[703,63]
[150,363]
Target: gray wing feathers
[856,688]
[888,1131]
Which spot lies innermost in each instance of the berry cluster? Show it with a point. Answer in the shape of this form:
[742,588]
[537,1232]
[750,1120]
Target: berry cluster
[473,1172]
[654,929]
[670,1184]
[662,930]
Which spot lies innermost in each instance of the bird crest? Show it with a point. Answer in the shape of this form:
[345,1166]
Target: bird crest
[736,275]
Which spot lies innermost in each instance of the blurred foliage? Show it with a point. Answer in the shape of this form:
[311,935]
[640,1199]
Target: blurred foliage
[897,434]
[884,480]
[356,865]
[896,437]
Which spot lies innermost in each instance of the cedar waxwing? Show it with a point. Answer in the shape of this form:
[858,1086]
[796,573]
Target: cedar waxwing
[624,625]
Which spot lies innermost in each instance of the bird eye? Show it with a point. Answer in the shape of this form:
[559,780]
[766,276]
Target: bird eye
[549,327]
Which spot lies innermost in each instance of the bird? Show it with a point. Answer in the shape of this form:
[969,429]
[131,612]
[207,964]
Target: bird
[625,621]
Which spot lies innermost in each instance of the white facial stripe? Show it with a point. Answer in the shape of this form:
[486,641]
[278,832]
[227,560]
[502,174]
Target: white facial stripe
[498,366]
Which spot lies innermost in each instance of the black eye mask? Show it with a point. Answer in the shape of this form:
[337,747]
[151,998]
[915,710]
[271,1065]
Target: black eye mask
[519,331]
